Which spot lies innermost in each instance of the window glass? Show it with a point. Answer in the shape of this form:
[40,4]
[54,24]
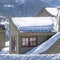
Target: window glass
[29,42]
[25,42]
[32,41]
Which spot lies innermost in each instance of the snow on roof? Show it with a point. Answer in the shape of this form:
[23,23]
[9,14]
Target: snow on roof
[40,21]
[52,11]
[34,24]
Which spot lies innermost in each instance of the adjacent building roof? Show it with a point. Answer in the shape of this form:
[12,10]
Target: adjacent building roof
[52,11]
[30,24]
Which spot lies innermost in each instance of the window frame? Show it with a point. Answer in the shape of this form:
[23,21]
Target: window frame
[35,42]
[29,41]
[25,41]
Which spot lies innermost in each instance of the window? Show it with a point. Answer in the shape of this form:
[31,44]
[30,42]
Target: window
[25,42]
[13,41]
[32,41]
[29,42]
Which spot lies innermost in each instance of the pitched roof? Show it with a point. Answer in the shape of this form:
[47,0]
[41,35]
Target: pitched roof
[52,11]
[41,24]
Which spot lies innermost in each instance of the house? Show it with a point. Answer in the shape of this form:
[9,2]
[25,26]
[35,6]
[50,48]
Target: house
[29,32]
[47,12]
[2,36]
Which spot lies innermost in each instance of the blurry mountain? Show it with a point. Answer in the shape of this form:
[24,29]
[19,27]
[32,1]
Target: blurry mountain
[20,7]
[51,3]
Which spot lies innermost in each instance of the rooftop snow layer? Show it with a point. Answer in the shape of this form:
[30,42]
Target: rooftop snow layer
[52,11]
[33,21]
[40,24]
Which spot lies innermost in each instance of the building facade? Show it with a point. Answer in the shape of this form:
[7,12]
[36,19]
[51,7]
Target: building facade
[18,38]
[21,42]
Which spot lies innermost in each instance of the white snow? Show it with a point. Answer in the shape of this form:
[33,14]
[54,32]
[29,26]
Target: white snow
[30,57]
[7,44]
[35,24]
[33,21]
[52,11]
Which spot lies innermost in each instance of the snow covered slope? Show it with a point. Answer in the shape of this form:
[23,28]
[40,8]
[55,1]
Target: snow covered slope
[29,57]
[46,45]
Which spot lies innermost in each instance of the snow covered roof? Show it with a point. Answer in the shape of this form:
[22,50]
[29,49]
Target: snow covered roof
[52,11]
[34,24]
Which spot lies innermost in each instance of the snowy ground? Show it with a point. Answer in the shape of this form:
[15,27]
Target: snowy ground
[29,57]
